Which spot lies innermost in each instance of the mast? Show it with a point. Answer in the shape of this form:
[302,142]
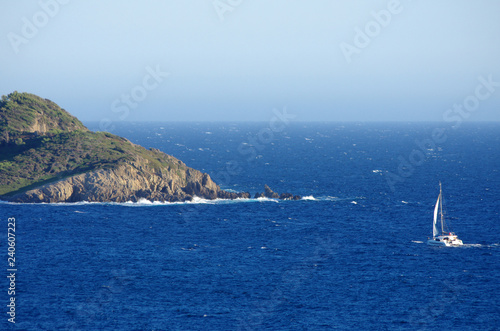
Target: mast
[441,207]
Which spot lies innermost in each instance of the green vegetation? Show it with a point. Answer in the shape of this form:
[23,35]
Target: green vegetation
[23,113]
[66,148]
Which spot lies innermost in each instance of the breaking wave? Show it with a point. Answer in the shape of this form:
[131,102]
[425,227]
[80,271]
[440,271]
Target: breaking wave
[196,200]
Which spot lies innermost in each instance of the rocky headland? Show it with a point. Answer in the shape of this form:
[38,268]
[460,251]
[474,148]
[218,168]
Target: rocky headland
[48,155]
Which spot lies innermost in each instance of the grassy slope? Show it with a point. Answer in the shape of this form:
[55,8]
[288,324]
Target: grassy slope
[19,111]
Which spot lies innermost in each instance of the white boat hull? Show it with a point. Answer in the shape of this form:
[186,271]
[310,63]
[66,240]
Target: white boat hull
[445,241]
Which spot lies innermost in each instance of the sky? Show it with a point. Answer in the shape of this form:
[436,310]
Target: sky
[241,60]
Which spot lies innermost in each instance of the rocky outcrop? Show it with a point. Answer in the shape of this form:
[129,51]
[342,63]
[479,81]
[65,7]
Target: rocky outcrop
[268,193]
[129,182]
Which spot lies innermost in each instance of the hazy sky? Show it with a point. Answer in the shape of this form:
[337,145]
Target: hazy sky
[325,60]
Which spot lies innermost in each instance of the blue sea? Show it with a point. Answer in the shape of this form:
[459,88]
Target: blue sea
[350,255]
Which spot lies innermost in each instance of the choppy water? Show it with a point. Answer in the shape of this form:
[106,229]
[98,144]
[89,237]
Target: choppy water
[350,255]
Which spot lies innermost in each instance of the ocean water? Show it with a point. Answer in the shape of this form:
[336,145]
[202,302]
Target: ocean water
[350,255]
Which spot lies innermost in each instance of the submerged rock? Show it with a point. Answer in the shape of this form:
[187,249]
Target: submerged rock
[269,193]
[259,195]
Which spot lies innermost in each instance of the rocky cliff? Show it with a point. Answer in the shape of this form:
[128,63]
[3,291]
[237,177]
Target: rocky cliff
[128,182]
[47,155]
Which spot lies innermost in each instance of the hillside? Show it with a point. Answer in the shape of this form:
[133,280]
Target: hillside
[24,113]
[47,155]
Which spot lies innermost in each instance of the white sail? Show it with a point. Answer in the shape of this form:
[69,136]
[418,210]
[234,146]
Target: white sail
[434,224]
[448,239]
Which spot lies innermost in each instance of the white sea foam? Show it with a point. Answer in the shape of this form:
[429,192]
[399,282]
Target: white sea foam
[264,199]
[143,201]
[196,200]
[472,245]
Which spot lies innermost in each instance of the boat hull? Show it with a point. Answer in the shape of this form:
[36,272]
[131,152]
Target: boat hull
[445,241]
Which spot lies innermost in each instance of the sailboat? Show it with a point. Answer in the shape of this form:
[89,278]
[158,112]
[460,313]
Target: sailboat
[446,238]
